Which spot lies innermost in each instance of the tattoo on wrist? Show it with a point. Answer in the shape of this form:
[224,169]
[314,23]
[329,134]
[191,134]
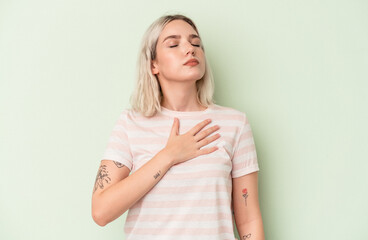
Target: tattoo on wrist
[119,165]
[245,195]
[247,236]
[101,178]
[157,174]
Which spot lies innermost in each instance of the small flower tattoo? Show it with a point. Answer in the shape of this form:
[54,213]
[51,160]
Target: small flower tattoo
[245,195]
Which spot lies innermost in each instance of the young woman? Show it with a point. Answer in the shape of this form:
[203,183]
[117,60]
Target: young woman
[179,163]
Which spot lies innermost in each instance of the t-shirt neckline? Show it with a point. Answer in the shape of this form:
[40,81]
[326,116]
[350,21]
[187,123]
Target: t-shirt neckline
[174,113]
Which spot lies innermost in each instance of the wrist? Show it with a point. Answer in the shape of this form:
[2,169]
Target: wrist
[165,156]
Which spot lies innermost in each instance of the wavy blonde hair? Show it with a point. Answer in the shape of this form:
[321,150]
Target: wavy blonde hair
[147,94]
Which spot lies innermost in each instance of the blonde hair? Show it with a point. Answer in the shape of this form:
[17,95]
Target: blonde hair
[147,94]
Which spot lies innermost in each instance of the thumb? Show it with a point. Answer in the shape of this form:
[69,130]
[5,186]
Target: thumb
[175,128]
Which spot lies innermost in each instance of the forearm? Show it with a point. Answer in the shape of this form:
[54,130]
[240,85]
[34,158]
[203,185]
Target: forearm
[118,198]
[252,230]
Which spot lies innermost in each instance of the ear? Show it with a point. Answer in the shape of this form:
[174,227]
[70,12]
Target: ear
[154,67]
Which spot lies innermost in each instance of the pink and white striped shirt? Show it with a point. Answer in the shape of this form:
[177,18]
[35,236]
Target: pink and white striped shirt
[193,199]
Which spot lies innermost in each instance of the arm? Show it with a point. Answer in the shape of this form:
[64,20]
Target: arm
[113,184]
[247,213]
[116,191]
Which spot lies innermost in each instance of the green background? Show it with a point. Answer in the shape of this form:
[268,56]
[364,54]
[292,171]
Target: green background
[298,69]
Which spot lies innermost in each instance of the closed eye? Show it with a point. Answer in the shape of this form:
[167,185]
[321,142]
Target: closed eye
[195,45]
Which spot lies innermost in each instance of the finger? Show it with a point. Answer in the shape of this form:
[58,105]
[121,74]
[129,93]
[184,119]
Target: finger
[198,127]
[206,150]
[199,136]
[175,128]
[208,140]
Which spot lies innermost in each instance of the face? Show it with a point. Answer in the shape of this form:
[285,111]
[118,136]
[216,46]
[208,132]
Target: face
[177,44]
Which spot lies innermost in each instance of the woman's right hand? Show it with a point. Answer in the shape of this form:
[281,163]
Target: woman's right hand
[181,148]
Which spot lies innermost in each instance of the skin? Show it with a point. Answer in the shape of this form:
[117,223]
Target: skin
[176,79]
[113,182]
[246,208]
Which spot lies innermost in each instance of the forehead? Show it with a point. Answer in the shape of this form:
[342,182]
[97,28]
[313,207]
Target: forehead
[177,27]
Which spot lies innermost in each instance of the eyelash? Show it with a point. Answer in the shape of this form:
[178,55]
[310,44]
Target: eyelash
[195,45]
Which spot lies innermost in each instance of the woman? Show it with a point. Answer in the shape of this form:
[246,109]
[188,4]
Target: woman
[193,163]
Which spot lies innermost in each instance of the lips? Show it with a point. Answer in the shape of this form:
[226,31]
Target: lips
[192,62]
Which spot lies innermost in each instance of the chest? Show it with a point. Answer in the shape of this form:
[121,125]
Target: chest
[147,139]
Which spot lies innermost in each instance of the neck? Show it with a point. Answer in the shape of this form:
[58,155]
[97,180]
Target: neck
[180,97]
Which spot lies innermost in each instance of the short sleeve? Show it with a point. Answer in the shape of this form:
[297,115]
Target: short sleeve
[118,144]
[244,160]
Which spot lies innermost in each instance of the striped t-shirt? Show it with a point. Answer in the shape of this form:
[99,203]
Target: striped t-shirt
[193,199]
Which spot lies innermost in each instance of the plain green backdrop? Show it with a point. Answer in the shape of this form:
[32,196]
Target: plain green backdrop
[298,69]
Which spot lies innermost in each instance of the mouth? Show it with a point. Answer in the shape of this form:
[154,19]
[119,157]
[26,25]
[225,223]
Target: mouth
[192,62]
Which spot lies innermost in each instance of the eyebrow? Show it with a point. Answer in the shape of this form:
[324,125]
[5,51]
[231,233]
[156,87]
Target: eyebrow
[191,36]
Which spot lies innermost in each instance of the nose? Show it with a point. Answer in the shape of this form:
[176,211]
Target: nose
[189,49]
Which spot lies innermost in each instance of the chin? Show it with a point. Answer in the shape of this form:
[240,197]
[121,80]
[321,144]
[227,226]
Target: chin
[195,77]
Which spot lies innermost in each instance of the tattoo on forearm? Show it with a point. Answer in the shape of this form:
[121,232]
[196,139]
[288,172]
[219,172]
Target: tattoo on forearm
[247,236]
[245,195]
[119,165]
[157,174]
[102,176]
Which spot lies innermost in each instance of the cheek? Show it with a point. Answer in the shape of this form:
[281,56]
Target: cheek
[175,59]
[167,62]
[203,64]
